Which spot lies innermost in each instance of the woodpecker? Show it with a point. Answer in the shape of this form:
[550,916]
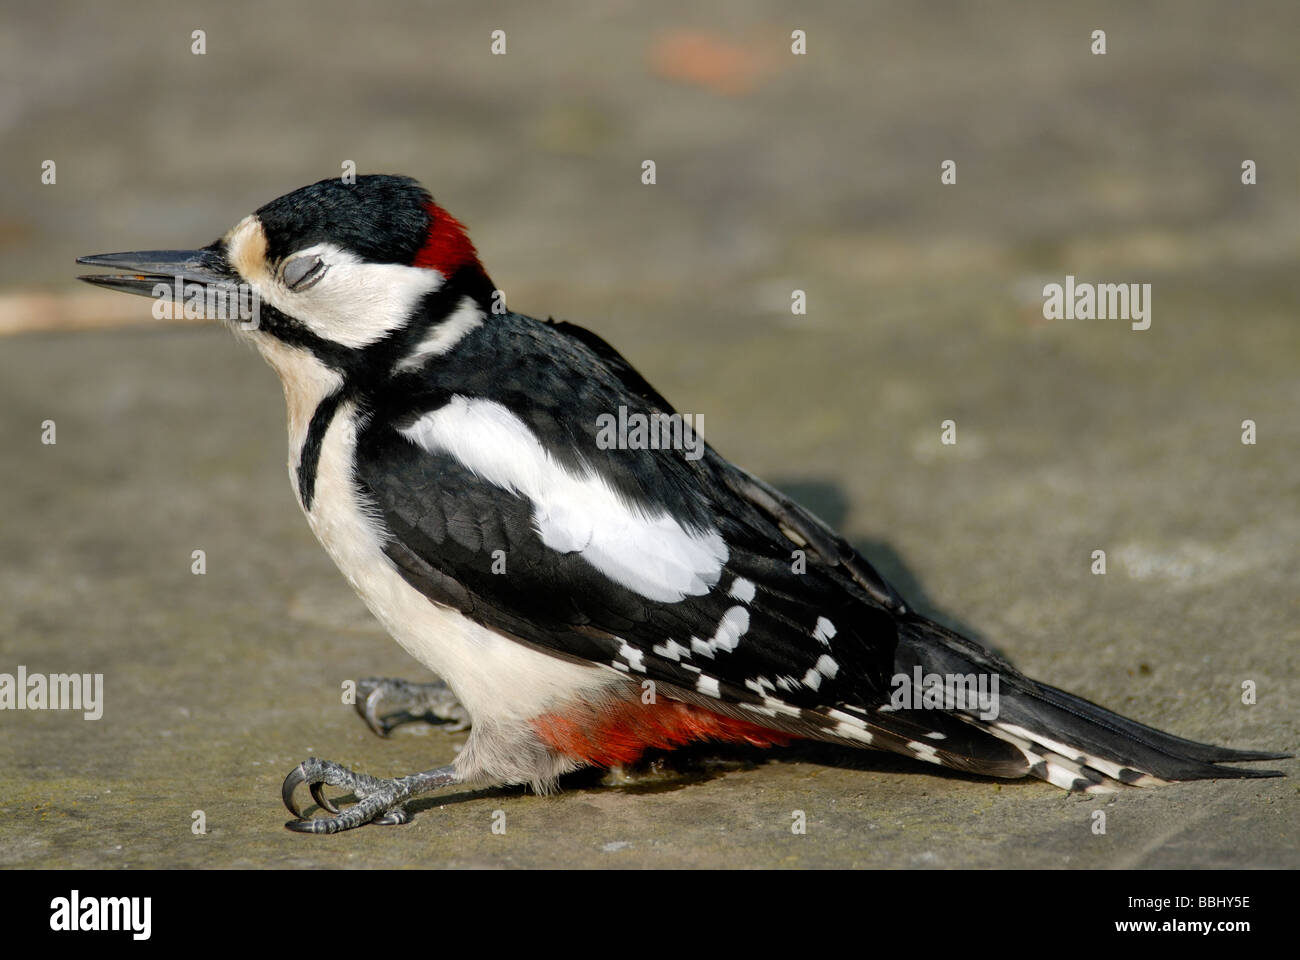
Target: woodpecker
[583,602]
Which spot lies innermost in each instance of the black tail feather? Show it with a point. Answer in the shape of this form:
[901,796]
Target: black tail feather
[1097,734]
[1068,726]
[1158,739]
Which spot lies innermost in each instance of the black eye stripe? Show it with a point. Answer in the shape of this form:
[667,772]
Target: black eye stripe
[301,272]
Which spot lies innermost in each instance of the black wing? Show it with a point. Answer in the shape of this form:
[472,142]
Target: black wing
[791,520]
[795,618]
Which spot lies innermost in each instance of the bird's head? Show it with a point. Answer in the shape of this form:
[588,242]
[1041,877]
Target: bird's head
[356,274]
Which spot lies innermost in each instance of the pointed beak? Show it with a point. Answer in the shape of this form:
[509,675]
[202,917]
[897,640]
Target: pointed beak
[146,269]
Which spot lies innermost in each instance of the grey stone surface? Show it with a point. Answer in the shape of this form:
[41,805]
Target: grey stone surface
[924,306]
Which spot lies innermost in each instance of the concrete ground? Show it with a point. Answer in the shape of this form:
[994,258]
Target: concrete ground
[775,173]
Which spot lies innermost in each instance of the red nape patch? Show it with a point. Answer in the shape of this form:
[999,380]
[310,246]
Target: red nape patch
[617,733]
[447,247]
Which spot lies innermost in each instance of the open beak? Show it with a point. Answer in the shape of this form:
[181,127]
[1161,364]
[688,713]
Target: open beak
[149,268]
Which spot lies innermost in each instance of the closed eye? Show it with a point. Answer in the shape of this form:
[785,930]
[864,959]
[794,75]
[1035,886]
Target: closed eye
[300,273]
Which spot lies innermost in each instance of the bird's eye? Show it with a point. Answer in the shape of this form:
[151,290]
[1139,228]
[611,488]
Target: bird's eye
[302,272]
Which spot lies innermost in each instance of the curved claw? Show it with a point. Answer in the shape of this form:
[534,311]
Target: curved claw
[297,776]
[370,712]
[317,774]
[364,812]
[322,801]
[377,800]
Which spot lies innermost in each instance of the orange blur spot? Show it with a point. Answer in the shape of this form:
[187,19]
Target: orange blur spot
[704,60]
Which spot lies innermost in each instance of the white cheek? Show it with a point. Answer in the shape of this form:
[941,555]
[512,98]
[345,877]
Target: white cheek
[354,303]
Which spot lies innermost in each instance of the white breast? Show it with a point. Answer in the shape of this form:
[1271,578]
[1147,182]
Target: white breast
[501,682]
[492,675]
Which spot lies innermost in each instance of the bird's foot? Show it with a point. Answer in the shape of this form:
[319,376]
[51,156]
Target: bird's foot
[378,800]
[430,702]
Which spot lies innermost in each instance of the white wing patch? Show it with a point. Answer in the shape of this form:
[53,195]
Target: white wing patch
[825,667]
[646,551]
[633,656]
[759,683]
[672,650]
[742,590]
[731,628]
[924,751]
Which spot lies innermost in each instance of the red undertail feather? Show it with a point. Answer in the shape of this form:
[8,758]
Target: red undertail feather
[618,733]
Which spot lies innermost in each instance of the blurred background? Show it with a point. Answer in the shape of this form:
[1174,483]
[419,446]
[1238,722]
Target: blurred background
[775,172]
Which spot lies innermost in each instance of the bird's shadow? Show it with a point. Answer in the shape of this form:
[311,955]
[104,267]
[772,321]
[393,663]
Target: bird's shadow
[827,501]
